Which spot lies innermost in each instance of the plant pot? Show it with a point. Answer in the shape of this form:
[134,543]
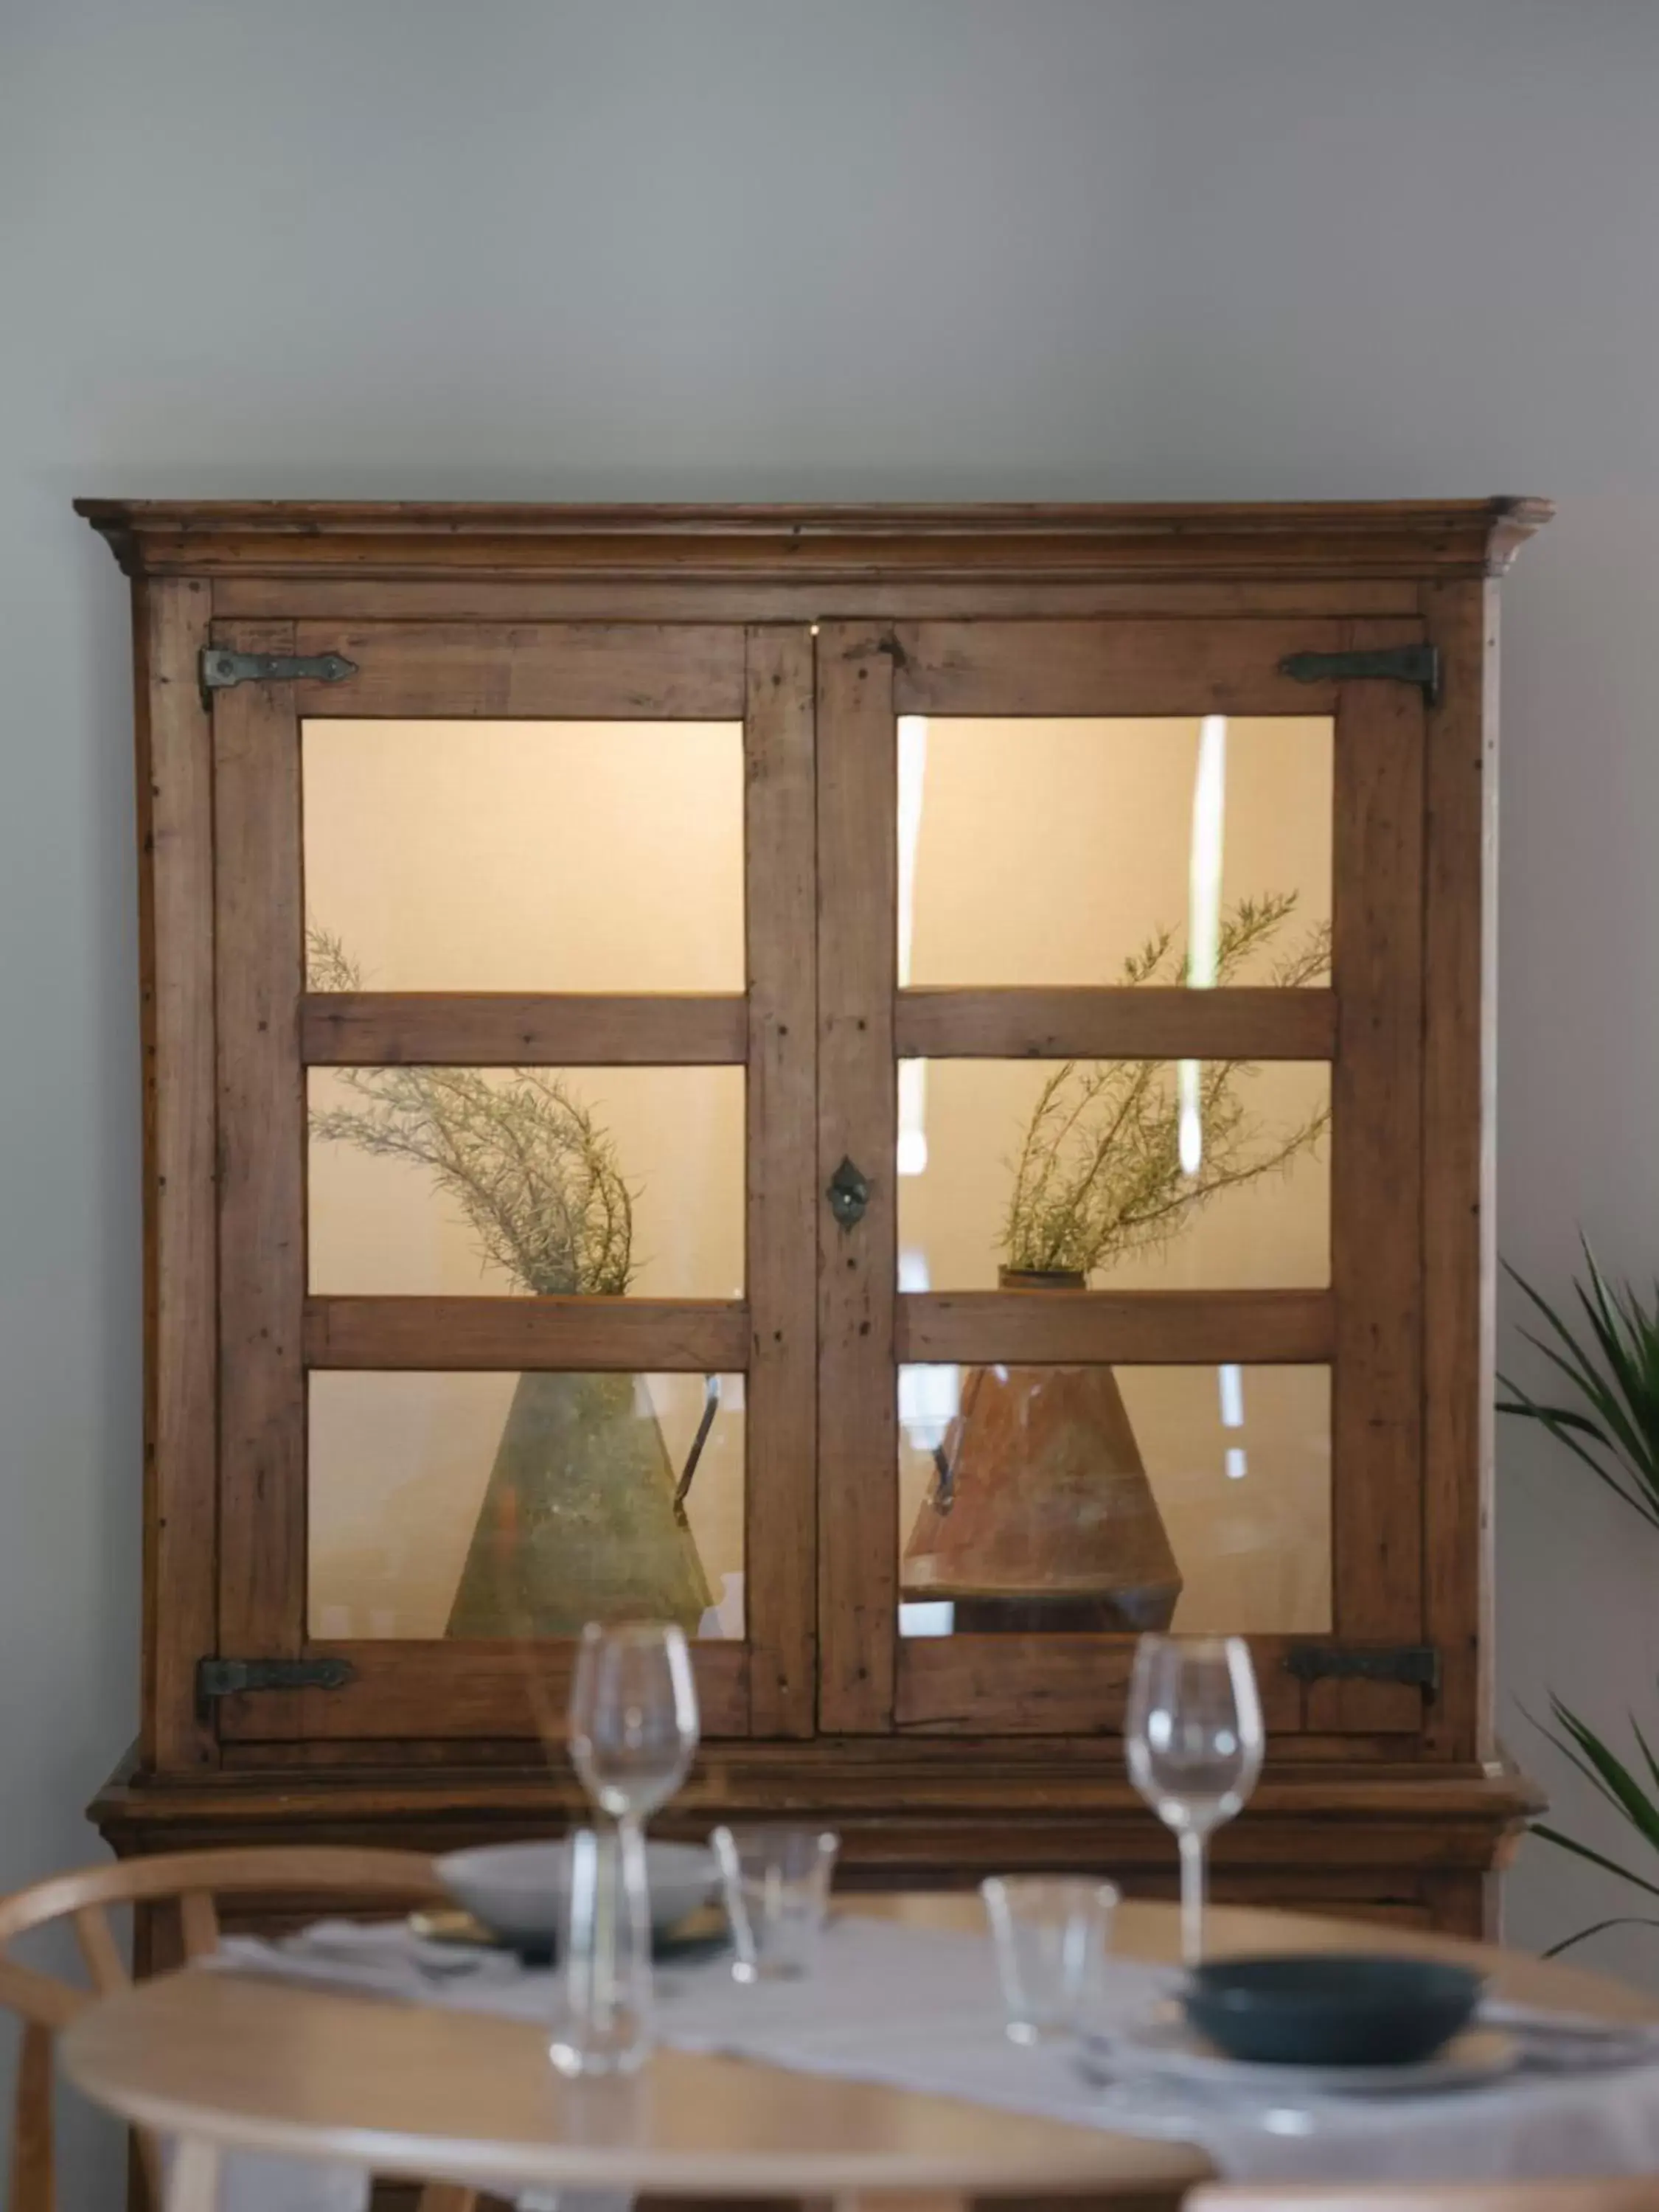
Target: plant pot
[579,1521]
[1040,1515]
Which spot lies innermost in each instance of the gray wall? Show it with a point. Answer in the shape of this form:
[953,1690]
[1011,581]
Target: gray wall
[761,249]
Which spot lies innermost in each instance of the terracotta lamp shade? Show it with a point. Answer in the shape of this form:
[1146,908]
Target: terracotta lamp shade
[1039,1514]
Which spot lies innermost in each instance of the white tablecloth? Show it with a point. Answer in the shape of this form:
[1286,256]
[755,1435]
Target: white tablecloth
[919,2009]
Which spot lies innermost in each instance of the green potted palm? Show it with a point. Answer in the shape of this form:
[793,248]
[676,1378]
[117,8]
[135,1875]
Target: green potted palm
[1608,1357]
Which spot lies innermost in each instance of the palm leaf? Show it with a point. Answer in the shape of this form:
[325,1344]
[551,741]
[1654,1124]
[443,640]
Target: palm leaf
[1653,1763]
[1629,1336]
[1620,1920]
[1577,1363]
[1617,1783]
[1583,1767]
[1581,1373]
[1626,1398]
[1579,1370]
[1558,1422]
[1610,1356]
[1609,1776]
[1611,1362]
[1596,1858]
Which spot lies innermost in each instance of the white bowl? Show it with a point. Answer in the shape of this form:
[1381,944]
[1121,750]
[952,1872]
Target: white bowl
[519,1890]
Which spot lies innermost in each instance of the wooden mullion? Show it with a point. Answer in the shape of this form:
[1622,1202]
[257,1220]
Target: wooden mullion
[1131,1327]
[858,1393]
[256,743]
[446,1687]
[779,1501]
[176,823]
[583,672]
[1122,667]
[1117,1022]
[589,1335]
[491,1029]
[1459,1075]
[1376,1196]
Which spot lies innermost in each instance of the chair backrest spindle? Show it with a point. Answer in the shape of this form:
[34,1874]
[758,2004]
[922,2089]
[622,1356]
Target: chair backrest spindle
[100,1950]
[199,1923]
[190,1881]
[33,2180]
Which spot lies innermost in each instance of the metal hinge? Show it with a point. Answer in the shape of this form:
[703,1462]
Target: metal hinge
[1417,1665]
[1394,664]
[222,669]
[232,1678]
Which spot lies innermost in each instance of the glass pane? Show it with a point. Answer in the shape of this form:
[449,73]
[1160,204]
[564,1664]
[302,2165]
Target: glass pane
[1114,1500]
[516,1505]
[1093,851]
[1136,1174]
[466,1182]
[526,856]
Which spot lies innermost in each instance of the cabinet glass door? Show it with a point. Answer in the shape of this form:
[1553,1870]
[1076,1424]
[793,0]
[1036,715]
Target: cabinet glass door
[515,1032]
[1119,1008]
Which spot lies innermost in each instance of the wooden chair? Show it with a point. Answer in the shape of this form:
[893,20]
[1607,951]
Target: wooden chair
[1638,2194]
[316,1875]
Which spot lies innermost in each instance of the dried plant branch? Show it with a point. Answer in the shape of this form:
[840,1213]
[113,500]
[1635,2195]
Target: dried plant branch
[534,1178]
[1098,1173]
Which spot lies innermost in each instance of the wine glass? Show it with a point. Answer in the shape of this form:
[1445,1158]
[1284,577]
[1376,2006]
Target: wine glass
[632,1732]
[633,1716]
[1194,1741]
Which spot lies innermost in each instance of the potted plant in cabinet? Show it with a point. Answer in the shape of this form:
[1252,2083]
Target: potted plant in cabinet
[1039,1514]
[582,1518]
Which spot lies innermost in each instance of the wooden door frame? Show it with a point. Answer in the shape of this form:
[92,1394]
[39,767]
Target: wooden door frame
[1368,1026]
[269,1029]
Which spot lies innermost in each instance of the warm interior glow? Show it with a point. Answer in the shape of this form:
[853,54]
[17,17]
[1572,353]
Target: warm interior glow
[529,856]
[609,857]
[1048,851]
[517,856]
[913,1074]
[1203,913]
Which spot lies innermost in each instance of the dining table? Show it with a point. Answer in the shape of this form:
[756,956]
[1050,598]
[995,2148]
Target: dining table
[224,2058]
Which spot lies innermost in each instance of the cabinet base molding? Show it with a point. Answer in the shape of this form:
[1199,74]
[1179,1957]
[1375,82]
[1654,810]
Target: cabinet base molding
[1409,1843]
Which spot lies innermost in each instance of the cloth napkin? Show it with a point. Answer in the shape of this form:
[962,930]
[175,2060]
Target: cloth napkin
[919,2009]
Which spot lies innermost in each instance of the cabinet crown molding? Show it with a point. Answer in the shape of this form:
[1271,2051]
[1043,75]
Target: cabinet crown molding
[1078,542]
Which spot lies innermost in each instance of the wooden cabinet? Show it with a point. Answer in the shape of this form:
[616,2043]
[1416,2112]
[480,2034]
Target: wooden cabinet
[907,1086]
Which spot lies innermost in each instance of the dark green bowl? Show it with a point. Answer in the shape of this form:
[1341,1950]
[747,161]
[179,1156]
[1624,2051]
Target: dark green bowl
[1330,2008]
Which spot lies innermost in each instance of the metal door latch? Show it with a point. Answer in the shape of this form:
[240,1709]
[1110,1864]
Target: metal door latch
[848,1194]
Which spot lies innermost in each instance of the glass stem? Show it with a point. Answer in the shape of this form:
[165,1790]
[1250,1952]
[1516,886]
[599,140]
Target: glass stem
[1192,1842]
[634,1932]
